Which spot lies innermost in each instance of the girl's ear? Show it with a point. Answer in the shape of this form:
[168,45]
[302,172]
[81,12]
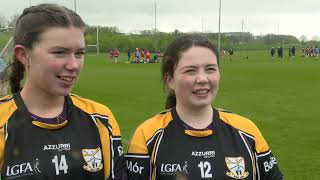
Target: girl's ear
[21,54]
[169,81]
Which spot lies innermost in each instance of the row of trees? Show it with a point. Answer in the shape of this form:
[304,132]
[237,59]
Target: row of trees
[110,38]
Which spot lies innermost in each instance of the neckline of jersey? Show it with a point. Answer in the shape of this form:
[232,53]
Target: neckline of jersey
[188,127]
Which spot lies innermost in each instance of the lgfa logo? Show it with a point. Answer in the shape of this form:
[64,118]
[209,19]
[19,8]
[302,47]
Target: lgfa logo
[173,168]
[23,169]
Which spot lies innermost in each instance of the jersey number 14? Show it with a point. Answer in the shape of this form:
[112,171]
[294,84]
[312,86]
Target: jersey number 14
[60,166]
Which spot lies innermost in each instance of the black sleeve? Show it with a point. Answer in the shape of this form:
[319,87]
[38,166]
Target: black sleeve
[118,159]
[268,167]
[138,166]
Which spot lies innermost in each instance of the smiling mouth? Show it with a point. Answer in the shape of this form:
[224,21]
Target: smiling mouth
[66,78]
[201,91]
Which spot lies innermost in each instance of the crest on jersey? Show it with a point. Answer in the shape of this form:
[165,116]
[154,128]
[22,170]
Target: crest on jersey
[236,167]
[93,158]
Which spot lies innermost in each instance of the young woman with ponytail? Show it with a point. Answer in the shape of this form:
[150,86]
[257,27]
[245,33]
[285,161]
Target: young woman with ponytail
[191,139]
[45,132]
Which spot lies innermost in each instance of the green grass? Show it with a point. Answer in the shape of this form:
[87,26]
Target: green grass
[281,97]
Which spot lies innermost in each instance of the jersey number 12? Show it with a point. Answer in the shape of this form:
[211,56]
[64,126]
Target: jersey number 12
[205,168]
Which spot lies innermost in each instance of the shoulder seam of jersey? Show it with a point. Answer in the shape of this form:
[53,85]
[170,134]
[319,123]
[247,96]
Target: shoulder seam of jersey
[6,110]
[246,126]
[146,132]
[165,120]
[234,123]
[89,106]
[223,110]
[165,111]
[6,98]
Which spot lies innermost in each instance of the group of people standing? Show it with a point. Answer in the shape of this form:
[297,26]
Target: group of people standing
[139,56]
[48,133]
[291,52]
[145,56]
[114,56]
[312,51]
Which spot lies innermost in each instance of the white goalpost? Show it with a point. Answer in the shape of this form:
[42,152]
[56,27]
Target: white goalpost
[96,46]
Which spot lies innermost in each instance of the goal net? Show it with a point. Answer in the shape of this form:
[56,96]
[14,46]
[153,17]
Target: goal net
[92,50]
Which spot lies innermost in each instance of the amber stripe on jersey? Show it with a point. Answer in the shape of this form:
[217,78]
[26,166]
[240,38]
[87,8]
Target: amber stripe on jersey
[9,105]
[246,126]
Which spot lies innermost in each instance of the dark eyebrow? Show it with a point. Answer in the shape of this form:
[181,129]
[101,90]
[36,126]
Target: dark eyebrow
[66,49]
[194,67]
[185,67]
[58,47]
[210,65]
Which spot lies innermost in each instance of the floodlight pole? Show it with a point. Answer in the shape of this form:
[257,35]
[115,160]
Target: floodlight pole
[242,26]
[219,27]
[75,5]
[98,48]
[155,15]
[202,24]
[155,23]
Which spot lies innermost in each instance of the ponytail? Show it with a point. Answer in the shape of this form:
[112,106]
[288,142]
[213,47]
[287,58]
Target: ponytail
[171,100]
[17,74]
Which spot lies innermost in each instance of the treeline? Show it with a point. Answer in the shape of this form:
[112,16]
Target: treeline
[111,38]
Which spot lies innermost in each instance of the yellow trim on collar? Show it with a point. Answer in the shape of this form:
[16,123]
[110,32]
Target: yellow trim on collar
[198,133]
[49,126]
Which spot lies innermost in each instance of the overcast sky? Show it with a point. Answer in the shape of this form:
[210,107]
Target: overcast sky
[260,17]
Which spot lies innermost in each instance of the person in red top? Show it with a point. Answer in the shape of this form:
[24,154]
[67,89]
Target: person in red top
[148,55]
[143,55]
[116,54]
[136,55]
[159,56]
[110,55]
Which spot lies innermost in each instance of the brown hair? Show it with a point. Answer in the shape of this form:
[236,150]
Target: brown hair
[173,54]
[31,23]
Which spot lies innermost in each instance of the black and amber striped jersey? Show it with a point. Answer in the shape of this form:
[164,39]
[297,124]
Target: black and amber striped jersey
[85,146]
[233,148]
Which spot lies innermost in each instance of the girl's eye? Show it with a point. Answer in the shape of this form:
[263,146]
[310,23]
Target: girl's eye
[58,53]
[189,71]
[211,69]
[80,54]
